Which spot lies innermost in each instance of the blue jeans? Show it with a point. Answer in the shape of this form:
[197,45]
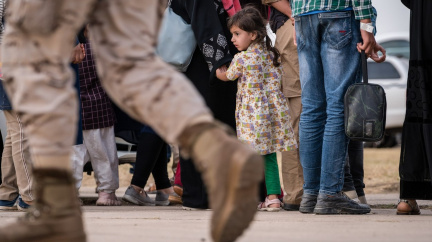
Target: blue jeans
[329,63]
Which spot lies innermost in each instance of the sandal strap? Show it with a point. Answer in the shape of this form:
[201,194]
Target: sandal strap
[273,201]
[412,206]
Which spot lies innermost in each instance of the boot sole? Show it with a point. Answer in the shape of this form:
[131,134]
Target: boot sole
[306,209]
[242,197]
[8,208]
[62,238]
[340,211]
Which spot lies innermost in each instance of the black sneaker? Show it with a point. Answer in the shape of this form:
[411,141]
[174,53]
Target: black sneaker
[308,203]
[339,204]
[291,207]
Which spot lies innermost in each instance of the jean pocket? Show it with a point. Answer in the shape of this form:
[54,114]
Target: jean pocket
[299,34]
[337,28]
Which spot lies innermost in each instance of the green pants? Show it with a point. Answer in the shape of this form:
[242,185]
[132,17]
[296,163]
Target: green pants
[272,174]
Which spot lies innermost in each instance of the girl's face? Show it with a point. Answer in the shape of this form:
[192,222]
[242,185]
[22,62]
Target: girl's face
[241,39]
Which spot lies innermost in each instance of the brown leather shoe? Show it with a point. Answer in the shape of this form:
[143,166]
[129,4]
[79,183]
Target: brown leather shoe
[407,207]
[174,198]
[231,172]
[178,190]
[55,214]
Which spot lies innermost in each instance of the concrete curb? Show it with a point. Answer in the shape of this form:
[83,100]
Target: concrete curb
[376,201]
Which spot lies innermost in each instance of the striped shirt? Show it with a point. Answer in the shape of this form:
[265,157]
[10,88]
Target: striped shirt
[362,8]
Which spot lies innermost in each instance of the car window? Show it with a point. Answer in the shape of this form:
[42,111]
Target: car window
[399,48]
[383,70]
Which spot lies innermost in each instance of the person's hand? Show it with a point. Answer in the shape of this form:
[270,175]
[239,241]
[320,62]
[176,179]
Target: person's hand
[221,73]
[78,54]
[368,44]
[294,36]
[292,20]
[375,57]
[222,69]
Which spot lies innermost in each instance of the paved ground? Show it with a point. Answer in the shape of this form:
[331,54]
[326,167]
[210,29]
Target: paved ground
[131,223]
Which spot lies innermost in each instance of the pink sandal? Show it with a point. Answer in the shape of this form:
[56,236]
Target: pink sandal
[264,206]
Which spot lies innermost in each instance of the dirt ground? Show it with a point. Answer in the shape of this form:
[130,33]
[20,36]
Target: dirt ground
[380,169]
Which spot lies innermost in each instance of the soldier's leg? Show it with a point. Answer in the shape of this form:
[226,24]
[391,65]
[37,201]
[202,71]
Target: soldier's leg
[124,33]
[37,44]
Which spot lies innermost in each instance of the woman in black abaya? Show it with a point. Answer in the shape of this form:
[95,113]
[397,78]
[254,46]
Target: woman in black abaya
[415,167]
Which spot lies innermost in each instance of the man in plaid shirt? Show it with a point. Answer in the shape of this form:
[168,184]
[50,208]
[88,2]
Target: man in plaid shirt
[329,36]
[362,8]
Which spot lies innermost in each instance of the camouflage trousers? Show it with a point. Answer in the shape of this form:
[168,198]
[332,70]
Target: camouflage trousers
[36,49]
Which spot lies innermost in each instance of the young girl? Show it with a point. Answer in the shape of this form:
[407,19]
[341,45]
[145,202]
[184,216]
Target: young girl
[262,114]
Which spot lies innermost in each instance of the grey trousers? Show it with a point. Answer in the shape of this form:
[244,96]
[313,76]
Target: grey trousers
[38,44]
[16,163]
[99,147]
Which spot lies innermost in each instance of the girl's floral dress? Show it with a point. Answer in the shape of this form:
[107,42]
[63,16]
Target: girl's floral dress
[262,115]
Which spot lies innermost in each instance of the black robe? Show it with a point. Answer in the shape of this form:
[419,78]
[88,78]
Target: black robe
[415,167]
[214,49]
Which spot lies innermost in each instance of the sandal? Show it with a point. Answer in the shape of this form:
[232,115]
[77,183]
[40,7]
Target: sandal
[407,207]
[264,206]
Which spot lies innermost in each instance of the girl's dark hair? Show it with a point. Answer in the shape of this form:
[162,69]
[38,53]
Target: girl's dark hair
[250,20]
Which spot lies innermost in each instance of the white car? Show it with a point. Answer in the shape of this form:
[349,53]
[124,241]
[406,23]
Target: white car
[396,44]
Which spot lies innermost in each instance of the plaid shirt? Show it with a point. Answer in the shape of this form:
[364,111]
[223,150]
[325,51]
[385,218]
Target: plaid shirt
[362,8]
[97,111]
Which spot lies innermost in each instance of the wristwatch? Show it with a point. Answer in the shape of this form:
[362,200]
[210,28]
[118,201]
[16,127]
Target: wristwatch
[367,27]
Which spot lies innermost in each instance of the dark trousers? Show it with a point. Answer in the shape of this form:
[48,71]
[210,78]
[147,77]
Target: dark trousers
[151,158]
[194,190]
[354,173]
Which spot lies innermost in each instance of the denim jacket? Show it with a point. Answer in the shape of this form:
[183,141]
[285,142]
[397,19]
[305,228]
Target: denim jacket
[4,100]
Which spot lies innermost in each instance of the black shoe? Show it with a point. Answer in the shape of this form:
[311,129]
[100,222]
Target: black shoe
[291,207]
[308,203]
[339,204]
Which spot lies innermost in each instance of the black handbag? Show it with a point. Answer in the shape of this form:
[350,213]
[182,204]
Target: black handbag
[365,109]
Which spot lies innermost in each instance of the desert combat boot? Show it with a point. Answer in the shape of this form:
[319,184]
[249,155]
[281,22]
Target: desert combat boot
[55,215]
[231,172]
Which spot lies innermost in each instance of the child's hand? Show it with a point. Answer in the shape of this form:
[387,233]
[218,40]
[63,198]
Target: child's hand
[221,73]
[78,54]
[222,69]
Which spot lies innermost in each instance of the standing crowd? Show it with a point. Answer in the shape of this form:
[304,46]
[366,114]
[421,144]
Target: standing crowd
[284,97]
